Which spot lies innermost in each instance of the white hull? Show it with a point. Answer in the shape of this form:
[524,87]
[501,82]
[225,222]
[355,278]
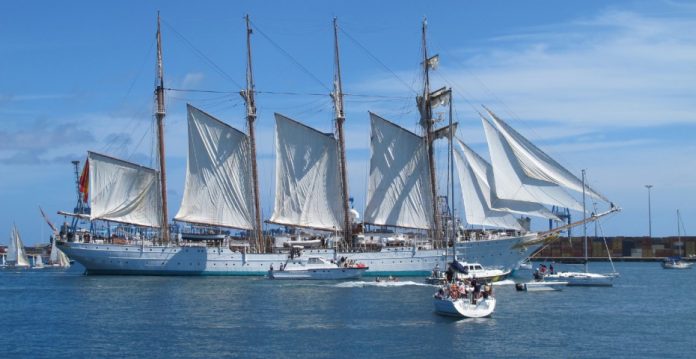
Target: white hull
[541,286]
[582,279]
[173,260]
[318,274]
[464,308]
[676,265]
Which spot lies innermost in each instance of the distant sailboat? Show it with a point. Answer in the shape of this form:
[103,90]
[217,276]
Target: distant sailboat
[585,278]
[676,262]
[58,259]
[16,256]
[38,262]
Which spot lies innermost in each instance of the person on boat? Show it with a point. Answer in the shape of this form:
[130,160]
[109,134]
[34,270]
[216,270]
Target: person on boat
[271,269]
[551,268]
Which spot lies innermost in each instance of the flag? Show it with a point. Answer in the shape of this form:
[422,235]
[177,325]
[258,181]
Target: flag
[84,182]
[433,62]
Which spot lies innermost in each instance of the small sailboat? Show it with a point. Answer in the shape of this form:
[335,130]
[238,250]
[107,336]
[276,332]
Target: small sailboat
[584,278]
[38,262]
[16,256]
[465,301]
[676,262]
[58,259]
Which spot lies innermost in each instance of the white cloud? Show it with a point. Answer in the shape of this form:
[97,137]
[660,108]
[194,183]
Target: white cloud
[192,80]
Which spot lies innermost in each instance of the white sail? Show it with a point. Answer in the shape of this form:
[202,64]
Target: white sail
[308,187]
[16,254]
[218,182]
[38,261]
[537,164]
[122,191]
[512,182]
[58,258]
[476,195]
[399,184]
[483,174]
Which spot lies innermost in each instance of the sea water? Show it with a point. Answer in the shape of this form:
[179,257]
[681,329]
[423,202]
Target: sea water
[650,312]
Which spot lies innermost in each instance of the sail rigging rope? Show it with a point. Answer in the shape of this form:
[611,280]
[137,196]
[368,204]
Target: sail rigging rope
[200,54]
[297,63]
[361,46]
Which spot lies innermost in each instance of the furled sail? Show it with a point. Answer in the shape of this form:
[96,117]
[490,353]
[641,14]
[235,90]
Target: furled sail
[399,184]
[122,191]
[16,254]
[218,183]
[513,183]
[537,164]
[480,170]
[308,187]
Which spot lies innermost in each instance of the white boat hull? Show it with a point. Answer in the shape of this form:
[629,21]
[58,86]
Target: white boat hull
[676,265]
[197,260]
[318,274]
[582,279]
[541,286]
[464,308]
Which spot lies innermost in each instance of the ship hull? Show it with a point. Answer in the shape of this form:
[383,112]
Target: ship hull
[97,258]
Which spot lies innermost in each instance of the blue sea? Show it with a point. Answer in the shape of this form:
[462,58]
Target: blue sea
[649,313]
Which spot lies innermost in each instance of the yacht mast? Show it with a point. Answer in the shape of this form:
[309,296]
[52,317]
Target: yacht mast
[340,119]
[426,113]
[159,115]
[584,217]
[248,96]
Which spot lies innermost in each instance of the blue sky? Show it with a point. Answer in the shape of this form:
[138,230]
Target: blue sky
[608,86]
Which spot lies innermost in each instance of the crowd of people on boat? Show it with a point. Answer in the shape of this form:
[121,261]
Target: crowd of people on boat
[471,289]
[542,271]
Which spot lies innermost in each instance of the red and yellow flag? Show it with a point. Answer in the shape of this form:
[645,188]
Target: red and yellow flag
[84,182]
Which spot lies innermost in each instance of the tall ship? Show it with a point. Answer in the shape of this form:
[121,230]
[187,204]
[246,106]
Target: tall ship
[221,195]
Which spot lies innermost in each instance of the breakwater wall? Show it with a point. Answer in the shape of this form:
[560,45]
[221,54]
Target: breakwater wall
[621,248]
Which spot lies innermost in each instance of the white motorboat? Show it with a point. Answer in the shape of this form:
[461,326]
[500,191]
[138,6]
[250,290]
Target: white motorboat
[468,270]
[317,268]
[463,302]
[540,286]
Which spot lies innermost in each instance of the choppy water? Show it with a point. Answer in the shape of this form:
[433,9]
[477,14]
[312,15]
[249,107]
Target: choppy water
[650,312]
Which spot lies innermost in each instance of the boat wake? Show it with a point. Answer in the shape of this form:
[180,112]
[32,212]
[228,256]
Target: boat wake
[363,284]
[504,282]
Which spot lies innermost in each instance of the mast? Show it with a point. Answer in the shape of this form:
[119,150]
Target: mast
[426,113]
[679,242]
[340,119]
[159,98]
[451,182]
[248,95]
[584,217]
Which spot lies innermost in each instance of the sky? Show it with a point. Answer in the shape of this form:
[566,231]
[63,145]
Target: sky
[606,86]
